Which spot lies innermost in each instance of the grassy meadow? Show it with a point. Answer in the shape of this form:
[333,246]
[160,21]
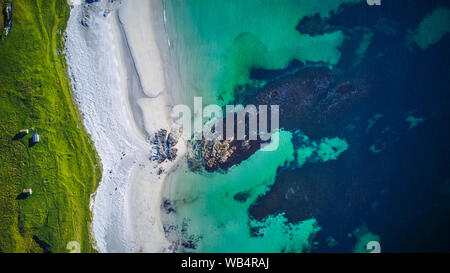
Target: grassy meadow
[63,170]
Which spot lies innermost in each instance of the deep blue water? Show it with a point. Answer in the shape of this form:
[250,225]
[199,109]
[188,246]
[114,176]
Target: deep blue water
[397,193]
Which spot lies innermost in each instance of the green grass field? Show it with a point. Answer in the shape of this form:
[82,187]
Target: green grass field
[63,170]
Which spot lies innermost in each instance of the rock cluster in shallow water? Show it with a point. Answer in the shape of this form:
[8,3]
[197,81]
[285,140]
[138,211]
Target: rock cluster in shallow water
[311,99]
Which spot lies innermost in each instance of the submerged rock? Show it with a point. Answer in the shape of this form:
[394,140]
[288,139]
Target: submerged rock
[314,26]
[311,100]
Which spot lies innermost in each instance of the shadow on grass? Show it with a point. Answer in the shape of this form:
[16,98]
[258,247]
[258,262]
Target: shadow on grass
[31,143]
[19,136]
[45,247]
[22,196]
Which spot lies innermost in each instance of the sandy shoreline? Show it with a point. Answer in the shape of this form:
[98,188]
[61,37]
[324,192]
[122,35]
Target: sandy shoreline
[119,69]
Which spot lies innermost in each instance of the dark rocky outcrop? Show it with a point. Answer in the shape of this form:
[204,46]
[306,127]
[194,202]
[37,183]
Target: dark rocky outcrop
[314,25]
[311,99]
[164,146]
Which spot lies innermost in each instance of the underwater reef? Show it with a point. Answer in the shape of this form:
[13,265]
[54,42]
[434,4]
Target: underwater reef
[312,98]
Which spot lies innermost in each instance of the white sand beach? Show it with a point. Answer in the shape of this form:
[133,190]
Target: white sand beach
[117,58]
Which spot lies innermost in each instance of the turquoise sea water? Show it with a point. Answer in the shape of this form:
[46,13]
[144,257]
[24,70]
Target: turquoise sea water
[214,206]
[214,45]
[212,209]
[336,191]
